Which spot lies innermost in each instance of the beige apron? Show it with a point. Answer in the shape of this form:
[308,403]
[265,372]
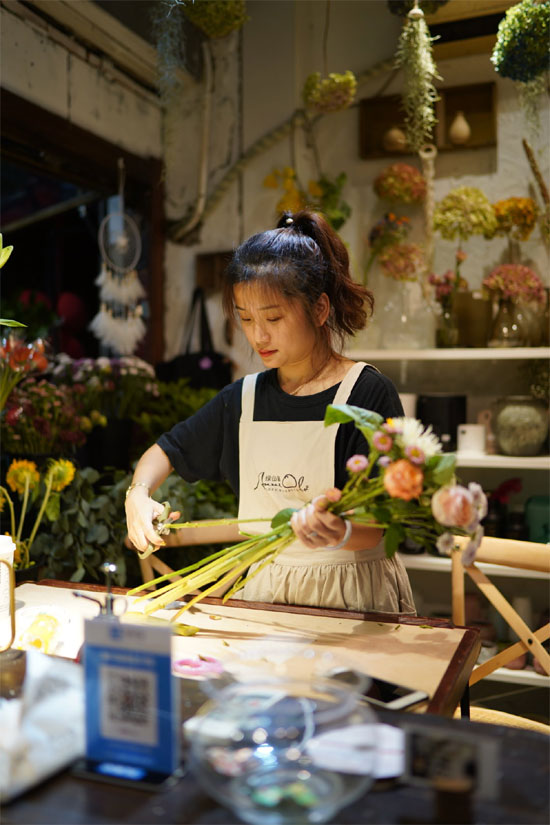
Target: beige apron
[286,464]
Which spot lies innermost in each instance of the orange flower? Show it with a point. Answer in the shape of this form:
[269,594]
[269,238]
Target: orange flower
[403,480]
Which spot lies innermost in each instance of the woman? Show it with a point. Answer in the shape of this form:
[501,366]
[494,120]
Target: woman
[296,301]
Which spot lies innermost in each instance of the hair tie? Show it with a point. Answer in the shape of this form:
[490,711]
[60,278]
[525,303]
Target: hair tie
[289,221]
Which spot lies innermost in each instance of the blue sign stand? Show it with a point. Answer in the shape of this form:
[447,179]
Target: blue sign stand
[132,708]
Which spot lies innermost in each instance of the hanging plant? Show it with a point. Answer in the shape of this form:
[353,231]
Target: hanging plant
[402,7]
[216,18]
[402,183]
[521,51]
[329,94]
[414,56]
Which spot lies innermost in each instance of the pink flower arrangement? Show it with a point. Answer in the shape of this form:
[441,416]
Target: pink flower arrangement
[402,262]
[402,183]
[515,281]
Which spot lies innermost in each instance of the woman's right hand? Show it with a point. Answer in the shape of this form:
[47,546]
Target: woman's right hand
[141,510]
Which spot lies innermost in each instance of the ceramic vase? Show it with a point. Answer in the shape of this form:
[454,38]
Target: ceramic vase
[459,131]
[520,425]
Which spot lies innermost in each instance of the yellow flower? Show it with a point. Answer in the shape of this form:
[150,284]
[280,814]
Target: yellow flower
[62,473]
[2,501]
[18,472]
[271,181]
[292,201]
[314,189]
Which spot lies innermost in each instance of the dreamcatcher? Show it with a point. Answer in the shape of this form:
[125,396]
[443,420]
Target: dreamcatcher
[119,323]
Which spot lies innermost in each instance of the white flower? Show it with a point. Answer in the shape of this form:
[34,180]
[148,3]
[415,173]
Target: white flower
[479,499]
[414,434]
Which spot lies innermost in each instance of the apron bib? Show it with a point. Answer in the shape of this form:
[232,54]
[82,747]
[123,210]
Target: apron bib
[287,464]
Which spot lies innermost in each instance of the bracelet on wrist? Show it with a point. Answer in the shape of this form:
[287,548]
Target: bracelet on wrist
[345,538]
[136,484]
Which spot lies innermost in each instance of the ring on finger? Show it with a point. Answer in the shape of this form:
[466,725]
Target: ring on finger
[312,535]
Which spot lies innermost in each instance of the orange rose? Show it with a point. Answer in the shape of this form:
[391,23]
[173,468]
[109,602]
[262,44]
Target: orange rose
[403,480]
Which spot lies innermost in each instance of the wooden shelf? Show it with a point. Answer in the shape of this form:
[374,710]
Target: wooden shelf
[452,354]
[505,462]
[440,564]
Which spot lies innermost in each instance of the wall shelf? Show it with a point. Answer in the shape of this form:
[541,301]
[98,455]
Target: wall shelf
[505,462]
[452,354]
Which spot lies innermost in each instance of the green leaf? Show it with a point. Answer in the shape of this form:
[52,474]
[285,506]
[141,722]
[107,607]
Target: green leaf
[52,507]
[4,322]
[445,469]
[282,517]
[366,421]
[68,540]
[392,539]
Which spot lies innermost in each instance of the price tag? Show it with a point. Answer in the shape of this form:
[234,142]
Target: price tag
[132,712]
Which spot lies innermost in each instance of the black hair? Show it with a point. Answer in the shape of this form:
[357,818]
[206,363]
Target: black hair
[302,258]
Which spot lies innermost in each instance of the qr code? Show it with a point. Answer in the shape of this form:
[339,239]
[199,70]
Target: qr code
[128,704]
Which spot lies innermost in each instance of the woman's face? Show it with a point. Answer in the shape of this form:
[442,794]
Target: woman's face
[276,327]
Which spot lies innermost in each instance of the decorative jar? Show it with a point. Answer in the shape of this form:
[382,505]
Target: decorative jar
[283,751]
[474,315]
[446,331]
[520,425]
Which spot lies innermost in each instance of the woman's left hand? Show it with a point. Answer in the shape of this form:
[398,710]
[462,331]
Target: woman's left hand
[316,526]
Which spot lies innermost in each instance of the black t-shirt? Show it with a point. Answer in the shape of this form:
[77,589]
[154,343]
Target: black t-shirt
[206,446]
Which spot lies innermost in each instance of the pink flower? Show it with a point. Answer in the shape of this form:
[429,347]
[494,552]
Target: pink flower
[403,480]
[454,506]
[515,281]
[382,442]
[333,494]
[384,461]
[415,454]
[357,463]
[460,256]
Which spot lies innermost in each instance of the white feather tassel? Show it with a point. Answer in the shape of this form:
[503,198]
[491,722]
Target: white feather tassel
[125,289]
[121,333]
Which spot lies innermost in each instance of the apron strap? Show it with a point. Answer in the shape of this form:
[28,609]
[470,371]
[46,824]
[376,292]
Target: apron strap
[247,397]
[346,386]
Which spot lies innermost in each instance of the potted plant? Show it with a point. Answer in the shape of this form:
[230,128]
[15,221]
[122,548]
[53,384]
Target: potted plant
[512,284]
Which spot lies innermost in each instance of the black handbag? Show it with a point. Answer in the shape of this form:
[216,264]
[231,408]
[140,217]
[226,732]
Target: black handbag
[205,368]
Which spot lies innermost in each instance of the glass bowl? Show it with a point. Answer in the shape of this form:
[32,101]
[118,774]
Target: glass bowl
[281,751]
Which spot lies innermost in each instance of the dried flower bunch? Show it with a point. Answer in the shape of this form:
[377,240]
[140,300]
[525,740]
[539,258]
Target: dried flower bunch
[329,94]
[402,262]
[406,486]
[386,232]
[515,281]
[24,479]
[324,195]
[463,212]
[516,217]
[450,282]
[401,183]
[216,18]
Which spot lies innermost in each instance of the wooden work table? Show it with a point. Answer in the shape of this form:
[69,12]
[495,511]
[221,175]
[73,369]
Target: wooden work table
[428,654]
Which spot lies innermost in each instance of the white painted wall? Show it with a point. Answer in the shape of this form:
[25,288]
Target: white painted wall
[260,73]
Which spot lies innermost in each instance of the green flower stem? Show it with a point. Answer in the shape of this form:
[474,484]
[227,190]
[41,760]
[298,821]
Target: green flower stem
[49,482]
[173,525]
[12,511]
[23,508]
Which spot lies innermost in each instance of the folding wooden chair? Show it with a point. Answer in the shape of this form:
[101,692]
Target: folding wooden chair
[525,555]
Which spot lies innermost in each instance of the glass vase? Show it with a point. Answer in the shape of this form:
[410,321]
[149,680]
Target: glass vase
[408,319]
[446,331]
[507,328]
[281,751]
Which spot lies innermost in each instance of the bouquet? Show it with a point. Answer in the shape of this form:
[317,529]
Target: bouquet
[24,479]
[400,182]
[402,262]
[406,486]
[515,281]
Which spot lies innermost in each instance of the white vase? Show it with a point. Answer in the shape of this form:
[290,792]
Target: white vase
[459,131]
